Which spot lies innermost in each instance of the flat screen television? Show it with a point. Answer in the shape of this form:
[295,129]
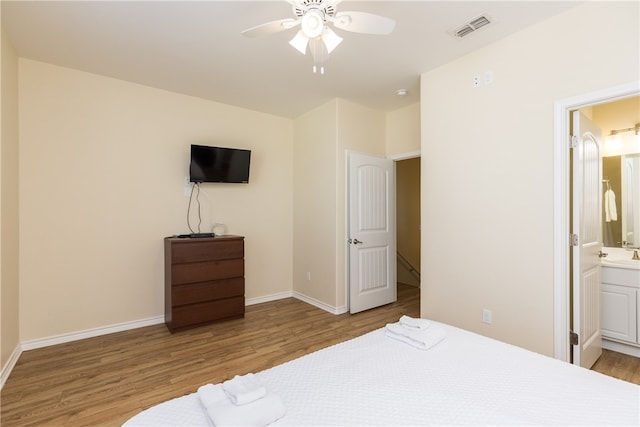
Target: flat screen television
[219,164]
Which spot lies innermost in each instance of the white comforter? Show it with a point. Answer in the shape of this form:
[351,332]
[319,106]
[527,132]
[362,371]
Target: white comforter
[466,379]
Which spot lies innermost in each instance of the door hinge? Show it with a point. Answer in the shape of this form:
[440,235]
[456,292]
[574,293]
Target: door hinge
[573,338]
[574,240]
[573,141]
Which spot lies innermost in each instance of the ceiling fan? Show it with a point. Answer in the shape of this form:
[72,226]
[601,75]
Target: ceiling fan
[315,18]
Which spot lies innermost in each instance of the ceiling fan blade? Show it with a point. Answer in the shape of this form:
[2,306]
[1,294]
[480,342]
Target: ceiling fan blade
[363,22]
[271,27]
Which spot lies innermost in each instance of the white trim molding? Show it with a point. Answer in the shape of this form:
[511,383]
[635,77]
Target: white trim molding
[561,184]
[269,298]
[405,156]
[320,304]
[8,367]
[90,333]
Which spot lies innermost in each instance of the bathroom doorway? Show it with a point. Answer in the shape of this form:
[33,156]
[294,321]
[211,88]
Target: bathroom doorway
[562,199]
[619,121]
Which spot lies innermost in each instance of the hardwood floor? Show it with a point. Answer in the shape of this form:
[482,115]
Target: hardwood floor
[105,380]
[619,365]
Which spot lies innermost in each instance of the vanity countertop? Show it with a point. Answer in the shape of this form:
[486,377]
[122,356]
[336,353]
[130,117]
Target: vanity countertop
[619,258]
[622,263]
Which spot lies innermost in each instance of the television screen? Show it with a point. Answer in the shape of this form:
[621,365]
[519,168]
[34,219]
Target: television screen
[218,164]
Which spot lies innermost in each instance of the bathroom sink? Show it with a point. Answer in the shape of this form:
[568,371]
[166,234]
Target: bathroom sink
[621,263]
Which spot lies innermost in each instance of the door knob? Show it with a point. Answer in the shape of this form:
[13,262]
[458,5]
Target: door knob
[355,241]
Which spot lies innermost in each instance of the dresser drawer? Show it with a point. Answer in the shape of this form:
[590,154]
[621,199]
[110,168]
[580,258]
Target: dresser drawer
[206,312]
[206,250]
[206,271]
[207,291]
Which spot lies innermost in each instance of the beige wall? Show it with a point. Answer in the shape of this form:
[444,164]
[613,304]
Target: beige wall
[487,237]
[102,166]
[621,114]
[403,130]
[322,137]
[9,285]
[314,198]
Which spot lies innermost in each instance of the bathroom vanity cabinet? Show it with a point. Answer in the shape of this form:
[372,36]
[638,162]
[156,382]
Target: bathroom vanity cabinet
[620,303]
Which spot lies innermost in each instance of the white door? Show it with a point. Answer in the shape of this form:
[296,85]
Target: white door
[587,226]
[372,232]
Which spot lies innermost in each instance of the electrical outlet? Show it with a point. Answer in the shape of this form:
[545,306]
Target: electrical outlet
[486,316]
[476,81]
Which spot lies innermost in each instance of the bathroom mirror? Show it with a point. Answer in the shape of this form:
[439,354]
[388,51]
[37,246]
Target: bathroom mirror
[621,200]
[630,202]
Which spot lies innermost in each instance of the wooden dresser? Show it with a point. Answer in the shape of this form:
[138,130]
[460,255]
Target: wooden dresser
[204,280]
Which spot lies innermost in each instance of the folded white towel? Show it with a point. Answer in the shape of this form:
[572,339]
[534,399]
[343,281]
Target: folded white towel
[414,323]
[610,210]
[421,339]
[223,412]
[244,389]
[210,394]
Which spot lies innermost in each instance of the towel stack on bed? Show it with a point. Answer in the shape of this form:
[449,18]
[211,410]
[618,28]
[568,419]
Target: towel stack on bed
[419,333]
[241,401]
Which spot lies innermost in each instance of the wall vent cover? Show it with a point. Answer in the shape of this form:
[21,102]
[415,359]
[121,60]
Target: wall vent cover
[471,26]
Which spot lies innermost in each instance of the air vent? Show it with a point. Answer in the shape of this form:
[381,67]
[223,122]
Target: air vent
[471,26]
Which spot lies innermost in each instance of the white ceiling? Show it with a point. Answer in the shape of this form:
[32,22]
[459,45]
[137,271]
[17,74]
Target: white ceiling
[195,47]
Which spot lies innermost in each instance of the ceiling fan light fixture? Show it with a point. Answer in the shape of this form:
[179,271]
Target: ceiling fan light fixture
[331,39]
[300,42]
[312,23]
[317,19]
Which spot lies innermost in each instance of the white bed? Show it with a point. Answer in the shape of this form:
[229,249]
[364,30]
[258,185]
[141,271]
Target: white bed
[466,379]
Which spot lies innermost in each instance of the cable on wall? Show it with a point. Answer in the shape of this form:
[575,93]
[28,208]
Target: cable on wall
[194,186]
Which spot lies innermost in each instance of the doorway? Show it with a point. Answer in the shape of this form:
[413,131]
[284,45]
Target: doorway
[405,222]
[562,199]
[408,221]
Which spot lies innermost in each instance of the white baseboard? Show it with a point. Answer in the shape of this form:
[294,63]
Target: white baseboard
[320,304]
[630,349]
[90,333]
[301,297]
[268,298]
[8,367]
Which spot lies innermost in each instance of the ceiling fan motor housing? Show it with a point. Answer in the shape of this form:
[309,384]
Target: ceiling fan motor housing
[300,8]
